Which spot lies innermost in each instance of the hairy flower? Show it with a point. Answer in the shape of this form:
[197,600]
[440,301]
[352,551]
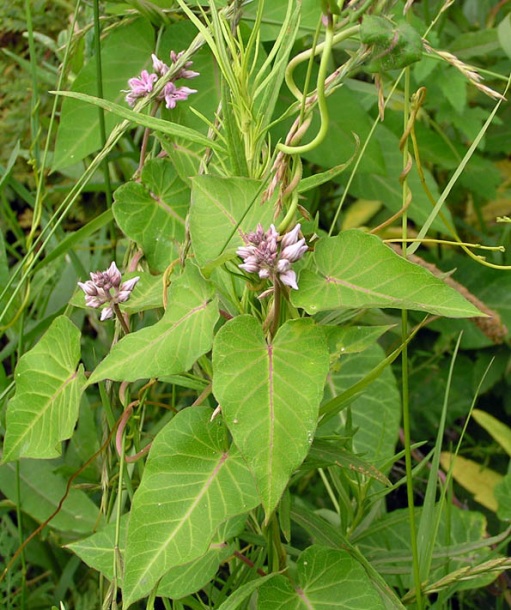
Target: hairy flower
[270,258]
[105,287]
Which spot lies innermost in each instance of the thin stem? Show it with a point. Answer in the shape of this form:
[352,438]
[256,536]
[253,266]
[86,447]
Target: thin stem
[99,83]
[404,361]
[121,318]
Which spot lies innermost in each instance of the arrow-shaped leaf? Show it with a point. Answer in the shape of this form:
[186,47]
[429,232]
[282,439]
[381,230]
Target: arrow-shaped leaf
[357,270]
[174,343]
[192,483]
[45,407]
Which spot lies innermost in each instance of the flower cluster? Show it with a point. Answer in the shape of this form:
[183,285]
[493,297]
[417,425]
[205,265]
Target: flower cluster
[105,287]
[144,84]
[271,256]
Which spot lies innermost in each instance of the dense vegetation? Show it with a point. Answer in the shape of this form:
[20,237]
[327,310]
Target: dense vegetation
[254,304]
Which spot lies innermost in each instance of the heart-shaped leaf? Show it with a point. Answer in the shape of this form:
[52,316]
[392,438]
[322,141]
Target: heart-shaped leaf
[153,212]
[327,578]
[270,395]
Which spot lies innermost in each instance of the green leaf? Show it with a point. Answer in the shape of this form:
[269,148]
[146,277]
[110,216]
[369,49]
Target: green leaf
[152,213]
[45,407]
[41,492]
[174,343]
[270,395]
[504,34]
[124,54]
[323,532]
[192,483]
[159,125]
[454,87]
[460,542]
[97,551]
[222,210]
[356,270]
[326,578]
[376,413]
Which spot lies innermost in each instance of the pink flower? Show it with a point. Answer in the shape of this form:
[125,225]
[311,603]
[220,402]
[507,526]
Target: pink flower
[173,94]
[140,87]
[271,259]
[105,287]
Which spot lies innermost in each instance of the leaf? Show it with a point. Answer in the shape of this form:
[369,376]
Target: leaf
[222,210]
[97,551]
[174,343]
[495,428]
[502,492]
[159,125]
[504,34]
[321,531]
[460,542]
[124,54]
[476,478]
[356,270]
[376,413]
[152,213]
[270,395]
[326,578]
[45,407]
[40,493]
[192,483]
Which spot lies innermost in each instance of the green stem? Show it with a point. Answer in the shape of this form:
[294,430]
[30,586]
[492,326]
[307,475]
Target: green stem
[404,360]
[99,84]
[320,91]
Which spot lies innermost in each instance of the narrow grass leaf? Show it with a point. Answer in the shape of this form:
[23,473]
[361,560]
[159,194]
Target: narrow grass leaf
[159,125]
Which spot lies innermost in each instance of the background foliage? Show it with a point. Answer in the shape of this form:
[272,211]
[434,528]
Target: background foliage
[227,441]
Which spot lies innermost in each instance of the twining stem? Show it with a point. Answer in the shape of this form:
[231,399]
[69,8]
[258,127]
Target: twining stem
[323,109]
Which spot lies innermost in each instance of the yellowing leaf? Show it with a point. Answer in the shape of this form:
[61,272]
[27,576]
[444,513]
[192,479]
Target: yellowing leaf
[496,429]
[475,478]
[360,212]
